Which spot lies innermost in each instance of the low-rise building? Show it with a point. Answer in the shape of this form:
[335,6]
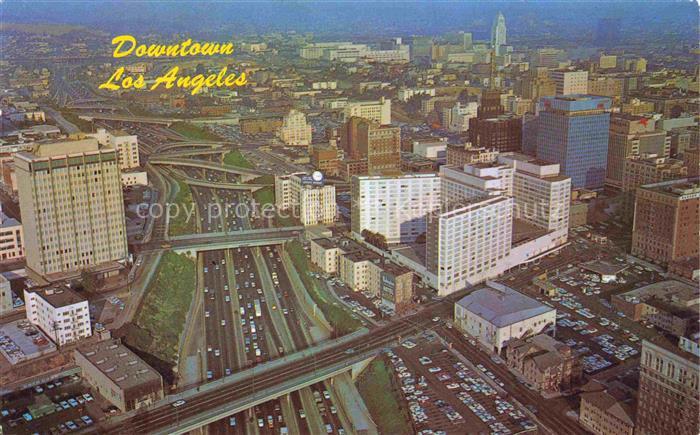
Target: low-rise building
[325,253]
[545,363]
[603,414]
[6,305]
[134,178]
[61,314]
[496,314]
[11,238]
[119,375]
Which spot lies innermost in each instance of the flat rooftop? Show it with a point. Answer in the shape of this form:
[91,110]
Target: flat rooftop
[119,363]
[58,296]
[501,305]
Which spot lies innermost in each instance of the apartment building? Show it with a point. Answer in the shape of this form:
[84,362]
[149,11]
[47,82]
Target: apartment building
[378,111]
[307,196]
[466,240]
[666,221]
[127,146]
[668,389]
[295,131]
[62,314]
[394,206]
[496,314]
[70,196]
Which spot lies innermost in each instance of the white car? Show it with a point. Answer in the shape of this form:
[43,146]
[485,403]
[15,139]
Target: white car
[179,403]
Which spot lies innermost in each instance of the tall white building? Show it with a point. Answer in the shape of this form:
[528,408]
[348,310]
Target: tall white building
[378,111]
[313,202]
[466,241]
[498,34]
[70,196]
[542,194]
[394,206]
[60,313]
[295,131]
[461,114]
[127,146]
[476,180]
[570,82]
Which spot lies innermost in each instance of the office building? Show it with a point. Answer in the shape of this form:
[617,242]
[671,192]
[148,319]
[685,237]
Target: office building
[666,221]
[464,154]
[465,241]
[477,180]
[548,365]
[70,196]
[574,131]
[127,146]
[6,303]
[631,136]
[380,145]
[691,159]
[496,314]
[668,389]
[394,206]
[498,34]
[460,115]
[295,131]
[119,375]
[11,238]
[61,314]
[570,82]
[376,111]
[639,171]
[542,195]
[311,201]
[326,159]
[503,133]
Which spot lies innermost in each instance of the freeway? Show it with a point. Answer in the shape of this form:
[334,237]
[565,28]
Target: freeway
[161,416]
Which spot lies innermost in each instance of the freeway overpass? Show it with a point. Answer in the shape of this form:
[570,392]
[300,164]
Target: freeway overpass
[226,396]
[218,185]
[187,144]
[124,118]
[192,243]
[190,153]
[245,173]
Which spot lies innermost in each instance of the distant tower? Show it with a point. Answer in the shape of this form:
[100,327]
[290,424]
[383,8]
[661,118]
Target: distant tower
[498,34]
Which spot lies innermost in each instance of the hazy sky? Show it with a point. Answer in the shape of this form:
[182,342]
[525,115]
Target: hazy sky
[354,17]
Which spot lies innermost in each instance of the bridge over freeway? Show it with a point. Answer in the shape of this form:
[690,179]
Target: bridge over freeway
[190,152]
[192,243]
[242,390]
[245,173]
[124,118]
[251,187]
[187,144]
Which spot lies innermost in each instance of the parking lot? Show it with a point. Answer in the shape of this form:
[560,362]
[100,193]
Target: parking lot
[445,395]
[56,407]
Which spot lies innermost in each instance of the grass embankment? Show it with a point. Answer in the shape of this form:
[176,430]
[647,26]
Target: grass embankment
[341,319]
[236,158]
[193,131]
[84,125]
[161,319]
[266,195]
[381,397]
[178,222]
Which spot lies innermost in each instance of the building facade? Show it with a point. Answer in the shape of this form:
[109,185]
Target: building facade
[127,146]
[60,313]
[295,131]
[311,200]
[573,131]
[376,111]
[72,207]
[569,82]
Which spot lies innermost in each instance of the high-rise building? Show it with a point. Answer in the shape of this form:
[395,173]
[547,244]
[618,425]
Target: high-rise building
[490,104]
[570,82]
[60,313]
[295,131]
[573,131]
[542,195]
[477,180]
[394,206]
[312,200]
[503,133]
[691,159]
[127,146]
[378,111]
[466,240]
[639,171]
[668,389]
[498,34]
[70,196]
[631,136]
[380,145]
[666,220]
